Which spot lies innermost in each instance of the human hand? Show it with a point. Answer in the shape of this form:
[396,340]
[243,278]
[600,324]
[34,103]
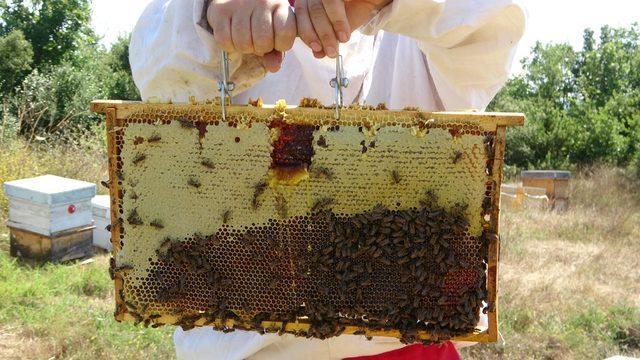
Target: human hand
[266,28]
[324,23]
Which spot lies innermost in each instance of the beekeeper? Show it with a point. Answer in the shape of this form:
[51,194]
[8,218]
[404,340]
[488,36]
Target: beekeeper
[431,54]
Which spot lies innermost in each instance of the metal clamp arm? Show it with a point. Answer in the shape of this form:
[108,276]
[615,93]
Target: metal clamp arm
[337,83]
[225,86]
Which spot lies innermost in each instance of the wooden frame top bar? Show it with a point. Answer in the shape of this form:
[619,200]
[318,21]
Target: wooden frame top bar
[497,119]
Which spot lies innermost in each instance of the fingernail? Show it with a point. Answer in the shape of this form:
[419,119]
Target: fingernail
[331,52]
[343,36]
[316,46]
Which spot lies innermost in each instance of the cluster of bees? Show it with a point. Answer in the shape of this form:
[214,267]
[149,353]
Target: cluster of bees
[416,244]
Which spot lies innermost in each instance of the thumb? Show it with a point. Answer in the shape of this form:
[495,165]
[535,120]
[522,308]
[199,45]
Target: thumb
[273,60]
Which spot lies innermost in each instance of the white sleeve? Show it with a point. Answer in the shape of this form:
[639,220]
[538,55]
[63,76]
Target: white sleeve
[173,55]
[469,44]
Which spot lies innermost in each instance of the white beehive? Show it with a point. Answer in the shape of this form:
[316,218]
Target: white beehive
[49,204]
[101,205]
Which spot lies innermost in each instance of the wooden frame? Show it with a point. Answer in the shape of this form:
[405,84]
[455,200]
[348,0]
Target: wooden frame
[117,111]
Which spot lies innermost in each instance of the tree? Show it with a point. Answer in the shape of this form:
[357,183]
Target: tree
[16,56]
[582,106]
[55,28]
[123,87]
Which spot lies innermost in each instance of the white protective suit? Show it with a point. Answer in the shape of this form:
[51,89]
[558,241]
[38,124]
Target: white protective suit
[431,54]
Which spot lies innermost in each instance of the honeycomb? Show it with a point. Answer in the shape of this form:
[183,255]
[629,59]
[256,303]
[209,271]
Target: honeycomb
[283,219]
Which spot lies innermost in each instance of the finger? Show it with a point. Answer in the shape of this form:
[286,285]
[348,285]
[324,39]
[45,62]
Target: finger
[323,27]
[305,28]
[273,60]
[284,28]
[262,30]
[337,15]
[320,54]
[220,23]
[241,33]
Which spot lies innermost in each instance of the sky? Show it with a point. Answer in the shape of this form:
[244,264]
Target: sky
[556,21]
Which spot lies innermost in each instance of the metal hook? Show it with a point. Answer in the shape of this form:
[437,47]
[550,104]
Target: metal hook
[225,86]
[337,83]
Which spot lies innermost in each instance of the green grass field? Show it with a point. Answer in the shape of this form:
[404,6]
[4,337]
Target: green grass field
[569,282]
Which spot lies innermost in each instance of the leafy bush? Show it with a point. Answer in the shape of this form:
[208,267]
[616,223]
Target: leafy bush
[16,56]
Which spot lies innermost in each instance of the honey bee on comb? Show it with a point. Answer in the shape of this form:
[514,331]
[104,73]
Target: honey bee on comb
[194,182]
[139,158]
[208,163]
[186,124]
[457,156]
[154,138]
[259,189]
[226,217]
[134,218]
[395,176]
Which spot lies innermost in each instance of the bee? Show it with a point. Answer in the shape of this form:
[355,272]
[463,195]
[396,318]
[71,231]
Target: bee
[381,106]
[157,224]
[372,144]
[322,173]
[165,245]
[310,103]
[487,204]
[108,228]
[457,156]
[259,189]
[134,218]
[112,266]
[122,269]
[322,142]
[321,204]
[274,282]
[154,138]
[489,141]
[106,183]
[248,239]
[395,176]
[133,195]
[138,158]
[208,164]
[226,216]
[281,206]
[256,103]
[186,124]
[194,182]
[120,175]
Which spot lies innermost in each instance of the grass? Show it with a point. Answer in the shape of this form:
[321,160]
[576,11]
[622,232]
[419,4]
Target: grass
[64,311]
[569,282]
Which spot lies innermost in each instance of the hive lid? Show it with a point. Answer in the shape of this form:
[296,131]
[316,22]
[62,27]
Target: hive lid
[546,174]
[101,202]
[49,189]
[100,206]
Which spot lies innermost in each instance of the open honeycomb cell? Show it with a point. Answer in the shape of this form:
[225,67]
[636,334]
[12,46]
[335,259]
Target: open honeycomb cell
[286,220]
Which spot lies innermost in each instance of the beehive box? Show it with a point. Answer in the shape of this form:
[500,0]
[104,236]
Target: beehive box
[50,218]
[555,182]
[100,206]
[281,219]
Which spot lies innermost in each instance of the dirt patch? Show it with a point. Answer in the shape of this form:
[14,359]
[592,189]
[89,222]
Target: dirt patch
[18,345]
